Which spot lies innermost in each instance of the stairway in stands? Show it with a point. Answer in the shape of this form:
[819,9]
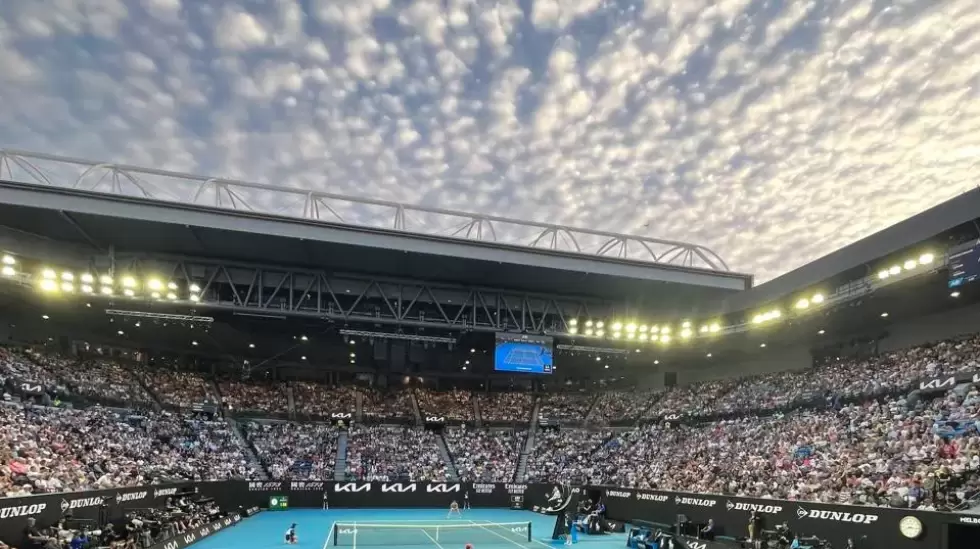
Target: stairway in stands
[250,456]
[340,464]
[416,409]
[529,443]
[447,457]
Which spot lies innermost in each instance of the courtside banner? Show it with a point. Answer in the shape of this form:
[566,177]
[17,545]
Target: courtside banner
[880,526]
[94,505]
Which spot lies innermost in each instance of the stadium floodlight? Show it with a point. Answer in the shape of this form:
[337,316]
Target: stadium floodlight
[883,274]
[598,359]
[171,285]
[68,276]
[686,333]
[87,278]
[821,332]
[129,282]
[665,330]
[154,284]
[105,280]
[251,345]
[600,325]
[172,296]
[926,258]
[803,303]
[643,328]
[630,335]
[654,329]
[194,343]
[195,298]
[884,315]
[573,322]
[631,328]
[600,333]
[686,324]
[106,290]
[86,288]
[353,355]
[894,270]
[49,285]
[573,330]
[817,298]
[954,294]
[708,355]
[304,358]
[155,295]
[714,328]
[763,345]
[588,331]
[910,264]
[120,332]
[48,274]
[588,323]
[9,260]
[67,287]
[665,339]
[644,337]
[195,288]
[8,270]
[704,329]
[617,335]
[656,362]
[128,292]
[617,326]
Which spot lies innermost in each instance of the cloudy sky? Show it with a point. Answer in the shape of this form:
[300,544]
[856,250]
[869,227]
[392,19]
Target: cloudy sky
[772,131]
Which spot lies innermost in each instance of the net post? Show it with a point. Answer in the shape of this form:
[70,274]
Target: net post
[529,532]
[335,529]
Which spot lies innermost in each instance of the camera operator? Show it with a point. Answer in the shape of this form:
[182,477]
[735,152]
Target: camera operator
[36,539]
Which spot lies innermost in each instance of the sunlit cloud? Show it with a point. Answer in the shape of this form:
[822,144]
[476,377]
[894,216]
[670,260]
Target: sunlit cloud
[771,132]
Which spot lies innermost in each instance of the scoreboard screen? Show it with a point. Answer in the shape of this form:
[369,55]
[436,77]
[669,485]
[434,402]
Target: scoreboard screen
[964,265]
[523,353]
[278,503]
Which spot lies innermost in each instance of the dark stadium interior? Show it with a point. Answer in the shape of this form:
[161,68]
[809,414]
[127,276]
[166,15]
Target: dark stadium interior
[276,382]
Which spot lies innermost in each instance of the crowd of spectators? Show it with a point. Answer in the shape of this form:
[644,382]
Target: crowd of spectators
[454,405]
[100,380]
[390,404]
[510,406]
[260,397]
[388,453]
[570,407]
[290,450]
[319,401]
[57,450]
[485,455]
[183,390]
[561,455]
[614,406]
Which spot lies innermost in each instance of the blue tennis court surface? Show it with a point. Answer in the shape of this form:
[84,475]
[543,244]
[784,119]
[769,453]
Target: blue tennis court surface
[314,529]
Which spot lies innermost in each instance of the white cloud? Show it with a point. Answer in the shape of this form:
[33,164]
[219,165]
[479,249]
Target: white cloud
[773,137]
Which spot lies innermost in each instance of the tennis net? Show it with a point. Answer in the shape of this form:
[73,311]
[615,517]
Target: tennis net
[376,533]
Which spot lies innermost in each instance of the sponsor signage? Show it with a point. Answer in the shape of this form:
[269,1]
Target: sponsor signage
[643,496]
[306,486]
[435,419]
[516,489]
[264,486]
[341,415]
[131,496]
[79,503]
[442,488]
[970,520]
[398,488]
[164,492]
[836,516]
[484,488]
[946,383]
[351,487]
[672,417]
[22,510]
[619,494]
[696,502]
[31,388]
[757,507]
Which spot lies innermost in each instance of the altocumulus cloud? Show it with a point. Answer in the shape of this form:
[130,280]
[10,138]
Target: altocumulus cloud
[771,131]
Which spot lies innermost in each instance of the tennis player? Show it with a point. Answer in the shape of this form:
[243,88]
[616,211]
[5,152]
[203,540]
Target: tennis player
[454,510]
[291,534]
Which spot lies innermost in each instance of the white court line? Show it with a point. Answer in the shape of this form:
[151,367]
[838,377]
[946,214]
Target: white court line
[433,539]
[354,546]
[473,522]
[326,542]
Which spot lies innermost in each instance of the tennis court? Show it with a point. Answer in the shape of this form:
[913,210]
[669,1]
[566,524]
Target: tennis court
[423,529]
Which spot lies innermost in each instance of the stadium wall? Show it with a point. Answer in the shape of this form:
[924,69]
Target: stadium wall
[927,329]
[796,357]
[834,522]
